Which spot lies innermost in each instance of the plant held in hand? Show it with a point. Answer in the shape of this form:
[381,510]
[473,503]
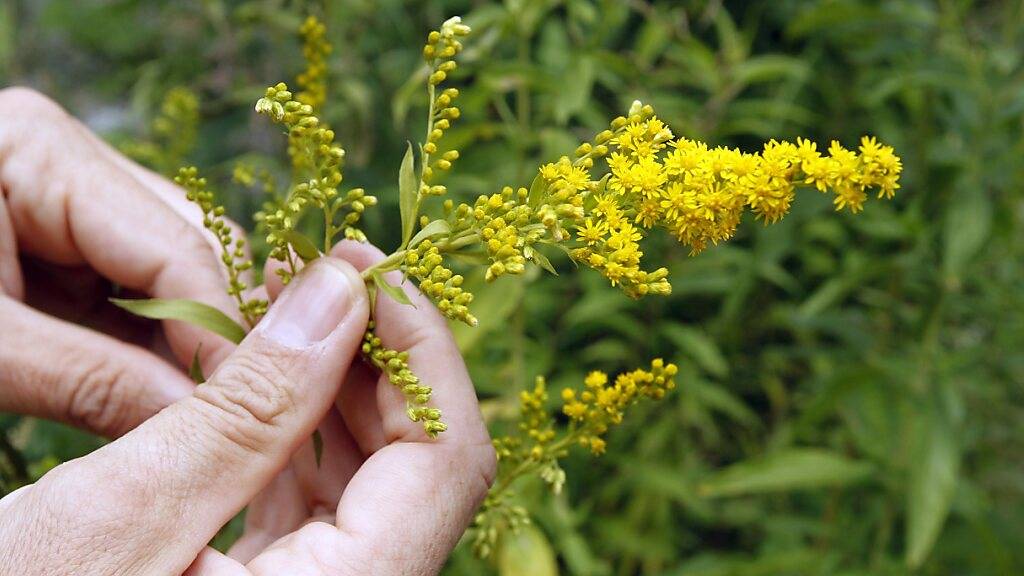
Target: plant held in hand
[596,205]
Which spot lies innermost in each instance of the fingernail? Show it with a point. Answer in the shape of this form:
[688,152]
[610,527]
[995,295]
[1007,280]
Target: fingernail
[311,307]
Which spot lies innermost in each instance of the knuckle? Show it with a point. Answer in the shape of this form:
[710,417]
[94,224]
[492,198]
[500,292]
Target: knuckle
[249,397]
[96,399]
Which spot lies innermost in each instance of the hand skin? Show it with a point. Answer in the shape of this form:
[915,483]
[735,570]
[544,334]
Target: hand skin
[385,498]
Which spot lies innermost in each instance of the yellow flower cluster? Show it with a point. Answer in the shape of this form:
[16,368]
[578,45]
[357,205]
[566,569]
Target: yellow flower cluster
[232,250]
[174,133]
[439,283]
[439,52]
[601,405]
[651,179]
[395,365]
[537,446]
[324,157]
[534,419]
[503,222]
[315,49]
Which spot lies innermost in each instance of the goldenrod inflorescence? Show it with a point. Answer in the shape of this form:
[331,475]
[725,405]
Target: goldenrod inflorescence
[232,249]
[597,205]
[173,133]
[395,365]
[538,444]
[312,81]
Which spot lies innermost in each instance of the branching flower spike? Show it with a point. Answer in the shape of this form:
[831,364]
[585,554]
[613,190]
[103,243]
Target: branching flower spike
[597,205]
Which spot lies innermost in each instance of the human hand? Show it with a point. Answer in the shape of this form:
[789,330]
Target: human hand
[81,216]
[149,502]
[70,200]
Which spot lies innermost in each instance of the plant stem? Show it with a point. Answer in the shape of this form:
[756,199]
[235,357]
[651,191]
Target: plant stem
[395,259]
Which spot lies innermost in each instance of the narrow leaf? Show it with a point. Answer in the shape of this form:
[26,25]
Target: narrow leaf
[537,189]
[699,346]
[318,446]
[396,293]
[933,479]
[968,224]
[408,193]
[789,469]
[435,228]
[195,371]
[302,245]
[541,260]
[195,313]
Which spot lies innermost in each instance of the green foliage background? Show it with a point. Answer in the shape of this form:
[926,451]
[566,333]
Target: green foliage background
[852,389]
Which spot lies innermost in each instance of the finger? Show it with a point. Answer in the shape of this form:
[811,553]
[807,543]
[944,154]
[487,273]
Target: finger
[11,282]
[212,563]
[59,371]
[278,509]
[434,357]
[429,488]
[322,478]
[168,192]
[198,462]
[323,482]
[86,210]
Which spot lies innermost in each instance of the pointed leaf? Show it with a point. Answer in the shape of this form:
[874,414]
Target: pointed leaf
[195,313]
[302,245]
[933,479]
[788,469]
[408,195]
[195,370]
[318,446]
[396,293]
[699,346]
[435,228]
[537,189]
[541,260]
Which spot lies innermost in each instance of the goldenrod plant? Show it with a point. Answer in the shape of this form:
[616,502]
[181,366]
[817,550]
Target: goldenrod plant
[537,445]
[173,132]
[596,205]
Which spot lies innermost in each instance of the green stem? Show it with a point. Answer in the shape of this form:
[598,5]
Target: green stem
[425,156]
[395,259]
[529,466]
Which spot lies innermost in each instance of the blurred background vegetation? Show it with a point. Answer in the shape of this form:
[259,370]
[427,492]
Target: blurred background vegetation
[852,389]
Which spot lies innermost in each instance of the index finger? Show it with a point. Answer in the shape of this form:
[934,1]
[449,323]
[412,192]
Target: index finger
[69,204]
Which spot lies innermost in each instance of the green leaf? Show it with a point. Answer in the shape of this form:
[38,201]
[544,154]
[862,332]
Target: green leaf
[788,469]
[575,90]
[408,195]
[494,304]
[968,222]
[537,189]
[435,228]
[195,313]
[933,480]
[540,259]
[318,446]
[526,552]
[302,245]
[195,370]
[699,346]
[396,293]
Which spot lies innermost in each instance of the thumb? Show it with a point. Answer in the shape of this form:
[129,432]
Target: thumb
[163,490]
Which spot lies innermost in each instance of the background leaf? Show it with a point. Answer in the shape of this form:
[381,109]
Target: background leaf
[789,469]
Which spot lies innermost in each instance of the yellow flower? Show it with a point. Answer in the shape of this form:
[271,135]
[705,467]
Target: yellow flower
[592,232]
